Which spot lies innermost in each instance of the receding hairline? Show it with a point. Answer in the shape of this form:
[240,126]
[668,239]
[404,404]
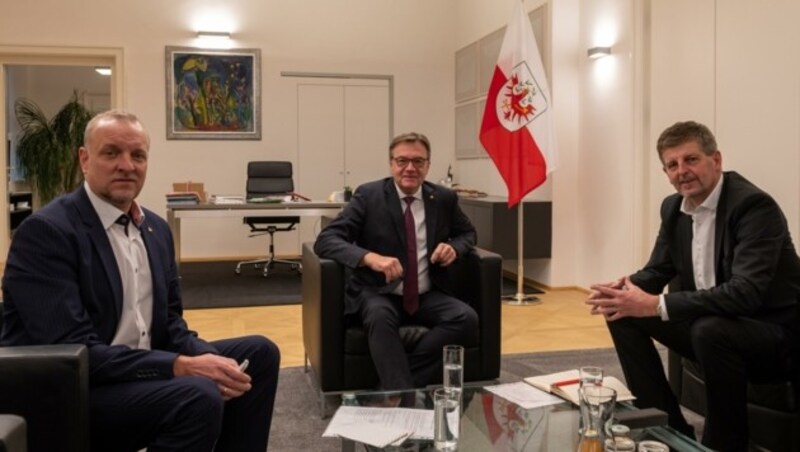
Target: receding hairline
[112,116]
[410,138]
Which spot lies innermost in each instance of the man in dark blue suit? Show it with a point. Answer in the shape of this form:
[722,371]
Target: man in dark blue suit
[728,244]
[95,268]
[398,235]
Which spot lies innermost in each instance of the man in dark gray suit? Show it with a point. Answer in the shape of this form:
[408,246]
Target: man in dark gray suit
[95,268]
[728,245]
[398,234]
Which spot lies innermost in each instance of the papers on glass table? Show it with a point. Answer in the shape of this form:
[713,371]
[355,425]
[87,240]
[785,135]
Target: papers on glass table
[380,427]
[524,395]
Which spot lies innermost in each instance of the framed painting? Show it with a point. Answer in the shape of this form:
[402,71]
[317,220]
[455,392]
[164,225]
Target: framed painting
[213,94]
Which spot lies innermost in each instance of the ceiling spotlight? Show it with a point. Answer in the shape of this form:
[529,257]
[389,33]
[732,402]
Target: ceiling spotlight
[599,52]
[103,70]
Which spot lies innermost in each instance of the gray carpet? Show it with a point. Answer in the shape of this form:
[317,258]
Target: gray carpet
[215,285]
[297,425]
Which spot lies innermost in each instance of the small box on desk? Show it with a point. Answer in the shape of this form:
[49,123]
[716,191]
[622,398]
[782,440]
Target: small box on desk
[191,187]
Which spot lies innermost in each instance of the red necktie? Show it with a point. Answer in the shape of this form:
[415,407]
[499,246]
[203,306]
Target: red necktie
[410,282]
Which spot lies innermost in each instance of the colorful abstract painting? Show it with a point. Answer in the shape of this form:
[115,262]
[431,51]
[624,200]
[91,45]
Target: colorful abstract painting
[213,94]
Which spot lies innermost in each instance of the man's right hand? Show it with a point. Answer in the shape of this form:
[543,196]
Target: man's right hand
[224,371]
[389,266]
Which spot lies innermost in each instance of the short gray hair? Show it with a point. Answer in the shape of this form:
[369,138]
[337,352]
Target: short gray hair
[113,115]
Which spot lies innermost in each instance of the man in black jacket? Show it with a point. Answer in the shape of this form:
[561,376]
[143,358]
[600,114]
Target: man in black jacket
[398,234]
[728,244]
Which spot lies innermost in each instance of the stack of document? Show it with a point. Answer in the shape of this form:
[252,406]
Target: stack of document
[182,198]
[380,427]
[226,199]
[565,384]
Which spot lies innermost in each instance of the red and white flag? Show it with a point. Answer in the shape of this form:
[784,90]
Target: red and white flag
[516,129]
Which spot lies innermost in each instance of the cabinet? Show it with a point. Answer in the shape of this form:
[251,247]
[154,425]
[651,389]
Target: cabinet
[20,206]
[497,226]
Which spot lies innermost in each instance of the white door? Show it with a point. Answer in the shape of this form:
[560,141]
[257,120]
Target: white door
[343,134]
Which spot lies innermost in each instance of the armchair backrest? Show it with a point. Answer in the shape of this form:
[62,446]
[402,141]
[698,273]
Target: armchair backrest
[269,178]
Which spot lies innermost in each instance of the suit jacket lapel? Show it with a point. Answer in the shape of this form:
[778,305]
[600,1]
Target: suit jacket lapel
[395,211]
[99,238]
[431,216]
[719,228]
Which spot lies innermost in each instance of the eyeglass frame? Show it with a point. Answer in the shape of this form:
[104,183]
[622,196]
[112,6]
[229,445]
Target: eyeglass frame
[418,162]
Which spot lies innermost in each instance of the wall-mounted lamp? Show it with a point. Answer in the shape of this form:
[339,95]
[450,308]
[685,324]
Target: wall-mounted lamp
[103,70]
[215,35]
[598,52]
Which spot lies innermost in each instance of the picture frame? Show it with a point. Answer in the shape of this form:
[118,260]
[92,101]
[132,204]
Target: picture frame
[213,94]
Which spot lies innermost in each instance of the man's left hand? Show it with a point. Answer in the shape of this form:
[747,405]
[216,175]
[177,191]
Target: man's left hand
[627,301]
[444,254]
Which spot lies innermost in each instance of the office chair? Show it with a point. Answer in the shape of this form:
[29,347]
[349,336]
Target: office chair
[265,179]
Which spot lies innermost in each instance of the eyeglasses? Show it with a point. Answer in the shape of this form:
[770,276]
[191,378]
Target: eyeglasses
[402,162]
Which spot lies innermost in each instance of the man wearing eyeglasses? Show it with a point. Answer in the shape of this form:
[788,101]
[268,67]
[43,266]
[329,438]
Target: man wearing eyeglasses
[399,234]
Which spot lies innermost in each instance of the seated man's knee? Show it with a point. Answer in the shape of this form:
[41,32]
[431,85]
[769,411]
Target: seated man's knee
[709,333]
[264,350]
[379,315]
[200,398]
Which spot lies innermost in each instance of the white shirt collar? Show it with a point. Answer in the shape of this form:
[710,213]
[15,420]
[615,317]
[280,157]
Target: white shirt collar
[402,194]
[108,213]
[710,203]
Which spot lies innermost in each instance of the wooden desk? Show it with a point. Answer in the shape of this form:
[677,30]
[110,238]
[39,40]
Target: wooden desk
[301,209]
[497,226]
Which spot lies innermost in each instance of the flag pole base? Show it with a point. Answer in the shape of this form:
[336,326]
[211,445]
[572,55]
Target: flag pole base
[520,299]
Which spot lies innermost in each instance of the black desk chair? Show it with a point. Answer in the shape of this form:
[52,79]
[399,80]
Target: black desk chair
[266,179]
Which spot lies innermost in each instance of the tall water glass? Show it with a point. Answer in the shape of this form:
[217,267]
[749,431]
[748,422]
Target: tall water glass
[599,401]
[446,419]
[588,376]
[453,363]
[591,375]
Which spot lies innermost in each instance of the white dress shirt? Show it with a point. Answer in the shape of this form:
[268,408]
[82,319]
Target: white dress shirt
[418,210]
[130,253]
[704,220]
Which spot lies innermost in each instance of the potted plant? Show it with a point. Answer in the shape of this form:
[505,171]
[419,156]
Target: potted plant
[348,193]
[48,149]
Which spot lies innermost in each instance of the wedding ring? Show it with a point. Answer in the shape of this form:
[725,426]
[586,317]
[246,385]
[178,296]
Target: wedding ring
[224,390]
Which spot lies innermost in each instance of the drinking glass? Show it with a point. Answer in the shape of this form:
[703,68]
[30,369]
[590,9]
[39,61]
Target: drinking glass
[599,402]
[453,362]
[446,419]
[591,375]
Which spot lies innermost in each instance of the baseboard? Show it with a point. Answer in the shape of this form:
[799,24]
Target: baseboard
[296,257]
[544,287]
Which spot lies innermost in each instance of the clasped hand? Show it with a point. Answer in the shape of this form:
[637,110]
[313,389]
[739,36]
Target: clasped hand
[621,298]
[225,372]
[444,255]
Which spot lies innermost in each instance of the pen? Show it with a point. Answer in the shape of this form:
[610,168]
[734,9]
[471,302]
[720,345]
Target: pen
[559,384]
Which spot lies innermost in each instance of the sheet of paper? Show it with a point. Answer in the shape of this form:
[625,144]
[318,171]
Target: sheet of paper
[352,420]
[524,395]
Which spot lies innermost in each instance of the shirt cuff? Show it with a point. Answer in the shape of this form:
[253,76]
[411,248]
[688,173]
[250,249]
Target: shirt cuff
[661,309]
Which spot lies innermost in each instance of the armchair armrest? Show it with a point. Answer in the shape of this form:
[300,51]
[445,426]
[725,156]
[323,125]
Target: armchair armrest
[48,385]
[323,305]
[12,433]
[478,282]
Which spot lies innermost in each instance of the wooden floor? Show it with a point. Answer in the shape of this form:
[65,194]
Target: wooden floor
[560,322]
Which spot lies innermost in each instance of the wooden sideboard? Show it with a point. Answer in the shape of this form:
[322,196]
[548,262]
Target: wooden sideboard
[497,226]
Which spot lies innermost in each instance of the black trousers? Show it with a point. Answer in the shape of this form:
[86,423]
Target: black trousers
[731,351]
[450,321]
[188,413]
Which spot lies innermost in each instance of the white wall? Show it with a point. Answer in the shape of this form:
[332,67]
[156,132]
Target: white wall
[731,64]
[412,40]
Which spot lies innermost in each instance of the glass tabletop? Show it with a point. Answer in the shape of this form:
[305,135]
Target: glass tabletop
[492,423]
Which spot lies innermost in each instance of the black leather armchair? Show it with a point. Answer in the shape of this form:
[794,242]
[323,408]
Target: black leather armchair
[339,356]
[48,386]
[773,409]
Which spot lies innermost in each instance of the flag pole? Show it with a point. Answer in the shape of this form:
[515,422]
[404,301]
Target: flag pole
[520,298]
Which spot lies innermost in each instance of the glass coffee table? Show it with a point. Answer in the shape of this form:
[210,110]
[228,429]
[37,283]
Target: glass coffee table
[492,423]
